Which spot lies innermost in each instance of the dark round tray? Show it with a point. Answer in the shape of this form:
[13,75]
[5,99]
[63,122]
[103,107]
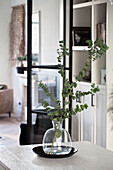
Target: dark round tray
[39,151]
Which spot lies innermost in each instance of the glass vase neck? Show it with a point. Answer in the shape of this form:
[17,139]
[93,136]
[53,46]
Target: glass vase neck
[57,124]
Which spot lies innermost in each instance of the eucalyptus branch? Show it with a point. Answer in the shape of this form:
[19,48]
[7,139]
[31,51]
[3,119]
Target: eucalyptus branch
[96,50]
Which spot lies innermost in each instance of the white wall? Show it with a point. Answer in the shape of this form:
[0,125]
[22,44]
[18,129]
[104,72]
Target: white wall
[5,69]
[17,2]
[50,28]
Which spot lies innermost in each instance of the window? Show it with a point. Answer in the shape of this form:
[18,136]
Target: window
[36,37]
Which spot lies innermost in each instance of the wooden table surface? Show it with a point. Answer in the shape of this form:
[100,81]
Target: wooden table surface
[88,157]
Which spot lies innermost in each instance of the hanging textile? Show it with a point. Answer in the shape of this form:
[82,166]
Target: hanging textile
[17,32]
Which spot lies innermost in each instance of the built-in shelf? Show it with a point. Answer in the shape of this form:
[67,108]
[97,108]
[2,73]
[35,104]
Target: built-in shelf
[86,4]
[81,82]
[86,83]
[81,5]
[80,48]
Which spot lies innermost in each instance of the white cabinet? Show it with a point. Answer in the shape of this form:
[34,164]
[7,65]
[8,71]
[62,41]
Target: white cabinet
[100,118]
[90,125]
[87,118]
[82,122]
[89,14]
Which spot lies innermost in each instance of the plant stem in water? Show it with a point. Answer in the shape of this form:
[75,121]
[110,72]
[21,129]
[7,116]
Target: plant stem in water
[53,141]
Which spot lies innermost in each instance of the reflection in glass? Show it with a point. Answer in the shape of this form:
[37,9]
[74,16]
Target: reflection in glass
[52,80]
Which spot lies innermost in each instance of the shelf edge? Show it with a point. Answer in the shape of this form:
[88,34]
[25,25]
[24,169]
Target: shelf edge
[85,4]
[80,48]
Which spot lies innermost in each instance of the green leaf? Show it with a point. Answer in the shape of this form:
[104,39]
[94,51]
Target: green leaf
[82,107]
[75,84]
[61,41]
[48,109]
[90,43]
[85,106]
[84,69]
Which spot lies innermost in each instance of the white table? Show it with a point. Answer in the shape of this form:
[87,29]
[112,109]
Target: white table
[88,157]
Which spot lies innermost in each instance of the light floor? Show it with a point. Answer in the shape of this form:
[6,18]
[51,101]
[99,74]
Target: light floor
[9,130]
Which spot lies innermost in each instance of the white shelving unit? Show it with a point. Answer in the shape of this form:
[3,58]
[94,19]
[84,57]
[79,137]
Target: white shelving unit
[89,14]
[79,48]
[82,17]
[82,5]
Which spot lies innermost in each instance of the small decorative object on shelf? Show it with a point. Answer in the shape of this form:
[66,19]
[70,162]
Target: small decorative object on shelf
[101,31]
[80,35]
[103,77]
[57,141]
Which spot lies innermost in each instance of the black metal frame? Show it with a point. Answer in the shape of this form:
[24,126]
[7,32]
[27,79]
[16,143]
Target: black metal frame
[70,58]
[64,37]
[29,61]
[29,64]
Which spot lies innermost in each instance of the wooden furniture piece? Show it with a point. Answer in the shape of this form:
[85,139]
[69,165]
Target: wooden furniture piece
[6,100]
[42,124]
[88,157]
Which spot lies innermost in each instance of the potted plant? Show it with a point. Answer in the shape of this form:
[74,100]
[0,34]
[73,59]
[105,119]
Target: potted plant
[54,137]
[20,60]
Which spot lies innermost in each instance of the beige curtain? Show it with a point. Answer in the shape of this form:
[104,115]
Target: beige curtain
[17,32]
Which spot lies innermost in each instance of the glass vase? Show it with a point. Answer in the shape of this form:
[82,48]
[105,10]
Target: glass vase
[56,140]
